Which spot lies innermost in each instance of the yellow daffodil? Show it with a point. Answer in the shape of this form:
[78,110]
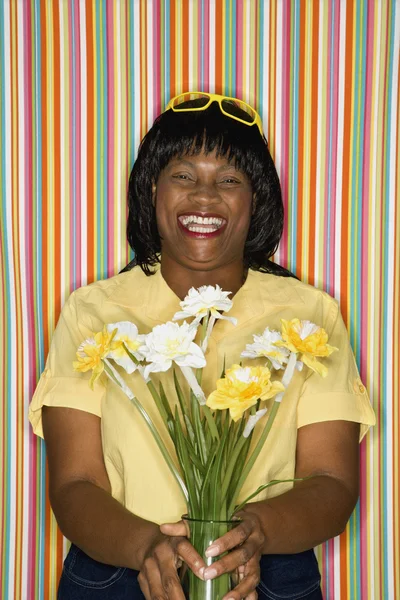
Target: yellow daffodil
[308,339]
[241,388]
[91,353]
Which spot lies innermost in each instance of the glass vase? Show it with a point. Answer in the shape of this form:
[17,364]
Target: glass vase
[202,534]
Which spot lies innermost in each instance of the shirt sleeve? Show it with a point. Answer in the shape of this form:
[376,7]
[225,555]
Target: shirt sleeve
[340,395]
[59,384]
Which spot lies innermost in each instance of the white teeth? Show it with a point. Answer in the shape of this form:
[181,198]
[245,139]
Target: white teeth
[202,229]
[187,219]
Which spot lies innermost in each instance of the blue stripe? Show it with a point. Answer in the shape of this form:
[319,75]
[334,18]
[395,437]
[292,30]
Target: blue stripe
[99,128]
[7,300]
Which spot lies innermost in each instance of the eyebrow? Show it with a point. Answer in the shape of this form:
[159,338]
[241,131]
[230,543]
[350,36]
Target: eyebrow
[176,162]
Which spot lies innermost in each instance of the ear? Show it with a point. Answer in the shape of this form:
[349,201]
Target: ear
[153,193]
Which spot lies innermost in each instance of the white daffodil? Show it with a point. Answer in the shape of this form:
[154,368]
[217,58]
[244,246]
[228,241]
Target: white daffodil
[264,346]
[126,339]
[170,343]
[205,301]
[252,421]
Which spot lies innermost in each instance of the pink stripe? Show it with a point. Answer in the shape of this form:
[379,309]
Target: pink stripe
[239,49]
[284,68]
[111,131]
[200,47]
[156,59]
[71,158]
[29,264]
[204,54]
[78,146]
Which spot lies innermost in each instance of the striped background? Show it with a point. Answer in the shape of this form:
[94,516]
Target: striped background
[80,83]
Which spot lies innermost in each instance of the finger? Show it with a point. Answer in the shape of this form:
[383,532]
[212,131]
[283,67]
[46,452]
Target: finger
[252,596]
[170,580]
[150,579]
[191,557]
[175,529]
[234,559]
[230,540]
[144,586]
[245,589]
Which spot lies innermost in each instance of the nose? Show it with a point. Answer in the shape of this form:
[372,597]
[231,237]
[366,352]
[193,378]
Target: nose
[205,193]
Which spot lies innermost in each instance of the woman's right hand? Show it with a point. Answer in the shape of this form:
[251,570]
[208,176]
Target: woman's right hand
[158,577]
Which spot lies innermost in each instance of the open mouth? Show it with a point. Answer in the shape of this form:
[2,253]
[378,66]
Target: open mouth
[203,225]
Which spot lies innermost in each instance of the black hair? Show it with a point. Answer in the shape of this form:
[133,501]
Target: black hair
[177,134]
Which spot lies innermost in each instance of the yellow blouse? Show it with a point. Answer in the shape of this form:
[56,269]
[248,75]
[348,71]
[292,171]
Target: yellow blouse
[139,478]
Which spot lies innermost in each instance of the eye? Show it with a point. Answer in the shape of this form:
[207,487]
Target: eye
[182,176]
[230,180]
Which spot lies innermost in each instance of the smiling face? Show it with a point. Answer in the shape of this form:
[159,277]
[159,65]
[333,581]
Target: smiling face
[203,211]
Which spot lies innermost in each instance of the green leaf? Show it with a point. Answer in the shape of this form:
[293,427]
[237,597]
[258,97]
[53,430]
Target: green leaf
[185,463]
[256,451]
[194,456]
[210,422]
[198,429]
[161,409]
[264,487]
[165,402]
[181,397]
[216,475]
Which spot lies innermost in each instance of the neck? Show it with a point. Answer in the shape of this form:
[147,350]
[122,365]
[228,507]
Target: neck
[181,278]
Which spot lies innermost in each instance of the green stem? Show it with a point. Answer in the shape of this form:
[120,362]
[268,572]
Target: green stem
[161,409]
[116,377]
[248,466]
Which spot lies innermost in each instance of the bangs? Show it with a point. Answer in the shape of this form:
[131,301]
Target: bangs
[208,131]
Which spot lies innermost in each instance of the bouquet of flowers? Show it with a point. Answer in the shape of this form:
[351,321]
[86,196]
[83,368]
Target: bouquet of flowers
[211,435]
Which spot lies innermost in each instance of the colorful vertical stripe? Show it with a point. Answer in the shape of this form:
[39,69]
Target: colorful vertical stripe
[80,83]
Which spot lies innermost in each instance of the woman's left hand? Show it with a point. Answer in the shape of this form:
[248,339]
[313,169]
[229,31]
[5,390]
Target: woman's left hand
[244,545]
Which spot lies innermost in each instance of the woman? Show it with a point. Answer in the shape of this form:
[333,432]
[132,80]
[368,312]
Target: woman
[204,208]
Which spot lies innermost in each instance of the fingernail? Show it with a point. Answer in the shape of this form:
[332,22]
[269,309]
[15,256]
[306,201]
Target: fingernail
[212,551]
[201,572]
[210,574]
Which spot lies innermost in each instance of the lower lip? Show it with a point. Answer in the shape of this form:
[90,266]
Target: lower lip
[200,235]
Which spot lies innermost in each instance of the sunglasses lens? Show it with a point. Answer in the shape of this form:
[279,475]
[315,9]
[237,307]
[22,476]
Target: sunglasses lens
[240,110]
[190,101]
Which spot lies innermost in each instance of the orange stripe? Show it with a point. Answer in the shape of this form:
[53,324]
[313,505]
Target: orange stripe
[313,142]
[185,44]
[218,46]
[90,141]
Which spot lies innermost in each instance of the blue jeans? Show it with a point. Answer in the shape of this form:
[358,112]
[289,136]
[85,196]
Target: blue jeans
[283,577]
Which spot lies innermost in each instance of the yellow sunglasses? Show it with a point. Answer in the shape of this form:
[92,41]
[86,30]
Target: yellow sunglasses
[227,106]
